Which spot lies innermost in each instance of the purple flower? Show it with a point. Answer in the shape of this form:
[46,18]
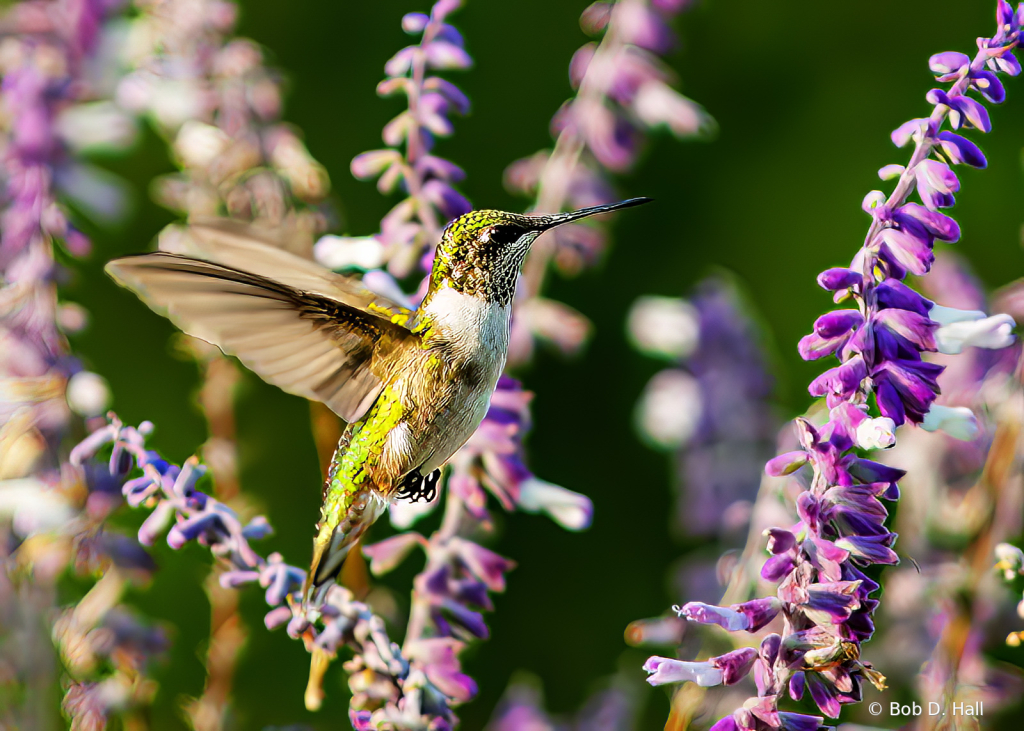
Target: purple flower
[414,226]
[824,598]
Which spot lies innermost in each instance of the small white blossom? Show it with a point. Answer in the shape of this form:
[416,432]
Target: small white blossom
[88,394]
[664,326]
[199,144]
[958,422]
[670,408]
[877,433]
[341,252]
[1010,560]
[663,670]
[404,513]
[963,328]
[33,506]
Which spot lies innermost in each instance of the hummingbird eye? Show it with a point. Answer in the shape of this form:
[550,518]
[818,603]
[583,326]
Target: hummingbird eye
[504,235]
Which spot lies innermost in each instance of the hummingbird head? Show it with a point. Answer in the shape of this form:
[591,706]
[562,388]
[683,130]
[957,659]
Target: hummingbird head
[481,252]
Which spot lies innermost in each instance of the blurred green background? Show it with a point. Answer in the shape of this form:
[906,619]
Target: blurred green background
[805,93]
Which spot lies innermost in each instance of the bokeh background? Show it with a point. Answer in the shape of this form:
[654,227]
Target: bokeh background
[805,94]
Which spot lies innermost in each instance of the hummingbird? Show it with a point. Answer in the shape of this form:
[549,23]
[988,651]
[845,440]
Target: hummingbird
[412,385]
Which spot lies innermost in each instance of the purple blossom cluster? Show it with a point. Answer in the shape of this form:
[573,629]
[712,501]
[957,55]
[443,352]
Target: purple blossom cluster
[387,691]
[217,104]
[957,493]
[623,90]
[454,587]
[219,108]
[52,515]
[944,504]
[825,599]
[411,230]
[713,406]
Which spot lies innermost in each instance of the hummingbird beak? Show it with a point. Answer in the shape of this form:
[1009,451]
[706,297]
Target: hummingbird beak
[547,222]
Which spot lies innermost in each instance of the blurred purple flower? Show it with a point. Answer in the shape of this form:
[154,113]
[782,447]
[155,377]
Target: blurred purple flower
[623,92]
[403,697]
[714,408]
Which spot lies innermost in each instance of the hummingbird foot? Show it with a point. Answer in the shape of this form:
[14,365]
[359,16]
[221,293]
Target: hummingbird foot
[417,488]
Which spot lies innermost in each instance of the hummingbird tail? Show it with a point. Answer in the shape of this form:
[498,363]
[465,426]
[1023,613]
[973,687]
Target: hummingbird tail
[333,544]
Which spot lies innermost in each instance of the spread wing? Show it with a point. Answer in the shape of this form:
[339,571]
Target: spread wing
[262,251]
[300,330]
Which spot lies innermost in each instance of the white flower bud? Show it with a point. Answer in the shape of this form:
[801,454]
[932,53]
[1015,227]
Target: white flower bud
[963,328]
[569,509]
[199,144]
[403,513]
[670,408]
[1010,560]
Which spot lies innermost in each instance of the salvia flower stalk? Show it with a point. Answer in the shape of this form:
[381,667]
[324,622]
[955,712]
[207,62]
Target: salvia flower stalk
[51,515]
[218,106]
[413,227]
[387,690]
[454,587]
[955,496]
[713,406]
[624,91]
[825,599]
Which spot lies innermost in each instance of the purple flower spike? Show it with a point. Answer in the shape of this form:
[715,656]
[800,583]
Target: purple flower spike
[881,340]
[414,226]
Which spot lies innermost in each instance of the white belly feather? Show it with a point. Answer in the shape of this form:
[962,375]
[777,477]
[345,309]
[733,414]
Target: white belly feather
[476,332]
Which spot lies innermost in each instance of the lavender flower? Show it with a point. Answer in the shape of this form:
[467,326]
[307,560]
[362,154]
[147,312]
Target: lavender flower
[50,514]
[219,108]
[453,589]
[714,408]
[623,92]
[386,689]
[413,227]
[826,602]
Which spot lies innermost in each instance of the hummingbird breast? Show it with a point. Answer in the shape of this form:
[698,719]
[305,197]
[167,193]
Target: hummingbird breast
[463,355]
[436,393]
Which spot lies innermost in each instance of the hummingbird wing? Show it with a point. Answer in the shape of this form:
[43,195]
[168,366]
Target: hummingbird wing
[296,330]
[264,252]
